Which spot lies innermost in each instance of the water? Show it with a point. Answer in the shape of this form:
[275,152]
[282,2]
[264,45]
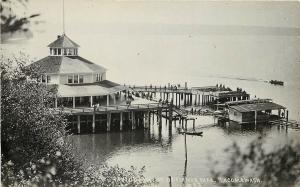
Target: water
[163,154]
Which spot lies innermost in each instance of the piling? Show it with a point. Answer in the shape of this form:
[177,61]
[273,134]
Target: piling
[108,121]
[133,121]
[78,124]
[121,121]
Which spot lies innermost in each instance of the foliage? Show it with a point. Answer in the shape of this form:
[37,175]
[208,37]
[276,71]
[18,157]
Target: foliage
[11,21]
[280,167]
[34,150]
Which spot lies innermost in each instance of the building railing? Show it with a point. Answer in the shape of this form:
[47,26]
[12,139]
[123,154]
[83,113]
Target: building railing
[113,108]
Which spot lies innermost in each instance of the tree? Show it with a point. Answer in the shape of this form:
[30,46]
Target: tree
[11,22]
[34,150]
[280,167]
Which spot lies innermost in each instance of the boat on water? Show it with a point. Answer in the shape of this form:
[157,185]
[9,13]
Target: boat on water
[276,82]
[194,133]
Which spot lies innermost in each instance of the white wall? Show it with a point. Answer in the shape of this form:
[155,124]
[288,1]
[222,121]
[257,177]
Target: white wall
[235,116]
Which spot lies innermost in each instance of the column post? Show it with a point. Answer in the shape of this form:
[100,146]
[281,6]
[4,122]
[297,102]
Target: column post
[74,101]
[107,100]
[91,101]
[114,96]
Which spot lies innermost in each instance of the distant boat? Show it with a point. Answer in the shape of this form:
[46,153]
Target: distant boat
[194,133]
[276,82]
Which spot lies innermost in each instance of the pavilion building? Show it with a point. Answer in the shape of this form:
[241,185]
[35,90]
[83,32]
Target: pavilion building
[79,82]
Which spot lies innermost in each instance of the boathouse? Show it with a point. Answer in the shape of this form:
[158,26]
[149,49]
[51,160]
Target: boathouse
[254,111]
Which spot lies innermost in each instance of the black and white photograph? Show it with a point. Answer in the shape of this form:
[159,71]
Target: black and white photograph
[162,93]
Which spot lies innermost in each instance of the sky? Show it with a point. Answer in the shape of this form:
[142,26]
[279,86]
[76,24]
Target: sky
[151,41]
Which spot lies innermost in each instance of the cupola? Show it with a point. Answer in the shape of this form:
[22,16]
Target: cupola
[63,46]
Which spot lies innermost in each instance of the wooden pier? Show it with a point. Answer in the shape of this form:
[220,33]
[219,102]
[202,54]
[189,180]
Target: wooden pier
[195,96]
[118,117]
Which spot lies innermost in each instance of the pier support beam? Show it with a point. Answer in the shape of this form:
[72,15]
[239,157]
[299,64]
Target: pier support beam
[160,118]
[108,121]
[121,121]
[133,121]
[74,102]
[255,117]
[93,124]
[78,124]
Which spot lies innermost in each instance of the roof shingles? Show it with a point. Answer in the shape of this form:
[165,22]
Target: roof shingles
[66,64]
[63,42]
[256,107]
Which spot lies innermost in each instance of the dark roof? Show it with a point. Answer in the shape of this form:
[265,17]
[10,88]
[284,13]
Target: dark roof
[49,64]
[256,107]
[104,83]
[66,64]
[108,84]
[63,42]
[226,94]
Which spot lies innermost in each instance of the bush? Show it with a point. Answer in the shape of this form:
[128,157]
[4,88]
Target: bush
[280,167]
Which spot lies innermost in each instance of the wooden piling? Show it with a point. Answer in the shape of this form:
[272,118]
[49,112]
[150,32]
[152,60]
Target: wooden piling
[93,124]
[108,121]
[133,125]
[78,124]
[160,118]
[121,121]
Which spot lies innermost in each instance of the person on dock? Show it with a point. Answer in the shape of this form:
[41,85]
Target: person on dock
[128,102]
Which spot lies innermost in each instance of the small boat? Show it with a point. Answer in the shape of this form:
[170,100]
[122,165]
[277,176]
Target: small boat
[194,133]
[276,82]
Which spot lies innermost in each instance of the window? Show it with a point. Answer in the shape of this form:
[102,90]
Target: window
[43,78]
[50,51]
[97,77]
[48,79]
[65,51]
[75,78]
[70,79]
[59,51]
[80,78]
[55,51]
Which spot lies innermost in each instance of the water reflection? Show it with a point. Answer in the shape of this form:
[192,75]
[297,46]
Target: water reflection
[162,150]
